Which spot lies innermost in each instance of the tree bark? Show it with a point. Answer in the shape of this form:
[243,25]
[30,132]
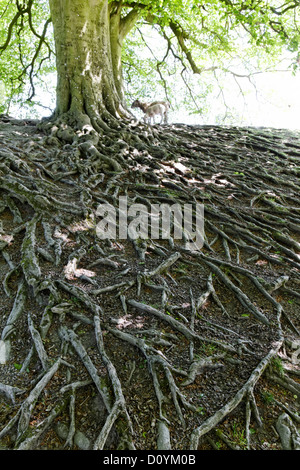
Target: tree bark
[88,67]
[120,26]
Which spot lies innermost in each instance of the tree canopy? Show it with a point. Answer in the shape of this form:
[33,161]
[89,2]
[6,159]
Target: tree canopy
[195,46]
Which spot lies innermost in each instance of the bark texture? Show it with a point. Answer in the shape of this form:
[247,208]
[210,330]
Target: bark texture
[88,55]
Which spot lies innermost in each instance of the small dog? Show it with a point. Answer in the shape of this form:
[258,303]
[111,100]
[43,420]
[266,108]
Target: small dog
[151,110]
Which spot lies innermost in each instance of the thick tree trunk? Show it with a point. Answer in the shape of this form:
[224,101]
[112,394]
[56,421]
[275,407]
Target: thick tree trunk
[88,81]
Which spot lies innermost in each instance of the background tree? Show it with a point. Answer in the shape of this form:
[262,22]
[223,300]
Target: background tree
[27,51]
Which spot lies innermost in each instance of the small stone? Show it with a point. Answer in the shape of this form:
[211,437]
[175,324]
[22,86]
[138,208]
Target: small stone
[4,351]
[80,440]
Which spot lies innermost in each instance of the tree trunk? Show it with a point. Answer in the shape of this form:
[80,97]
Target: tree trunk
[119,28]
[89,79]
[116,41]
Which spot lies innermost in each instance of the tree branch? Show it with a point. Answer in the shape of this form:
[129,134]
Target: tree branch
[181,35]
[128,22]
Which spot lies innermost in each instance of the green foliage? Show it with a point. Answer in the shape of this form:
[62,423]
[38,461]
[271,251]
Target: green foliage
[220,41]
[25,59]
[278,366]
[268,397]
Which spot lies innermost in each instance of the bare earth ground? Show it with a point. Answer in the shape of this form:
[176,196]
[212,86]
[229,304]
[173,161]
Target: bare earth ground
[143,344]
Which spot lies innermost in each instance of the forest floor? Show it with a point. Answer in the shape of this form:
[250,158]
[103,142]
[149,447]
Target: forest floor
[144,343]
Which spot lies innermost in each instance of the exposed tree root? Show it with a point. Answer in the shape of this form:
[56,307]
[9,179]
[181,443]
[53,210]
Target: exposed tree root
[143,343]
[215,419]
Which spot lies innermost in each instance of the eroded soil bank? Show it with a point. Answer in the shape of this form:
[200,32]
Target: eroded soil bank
[142,343]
